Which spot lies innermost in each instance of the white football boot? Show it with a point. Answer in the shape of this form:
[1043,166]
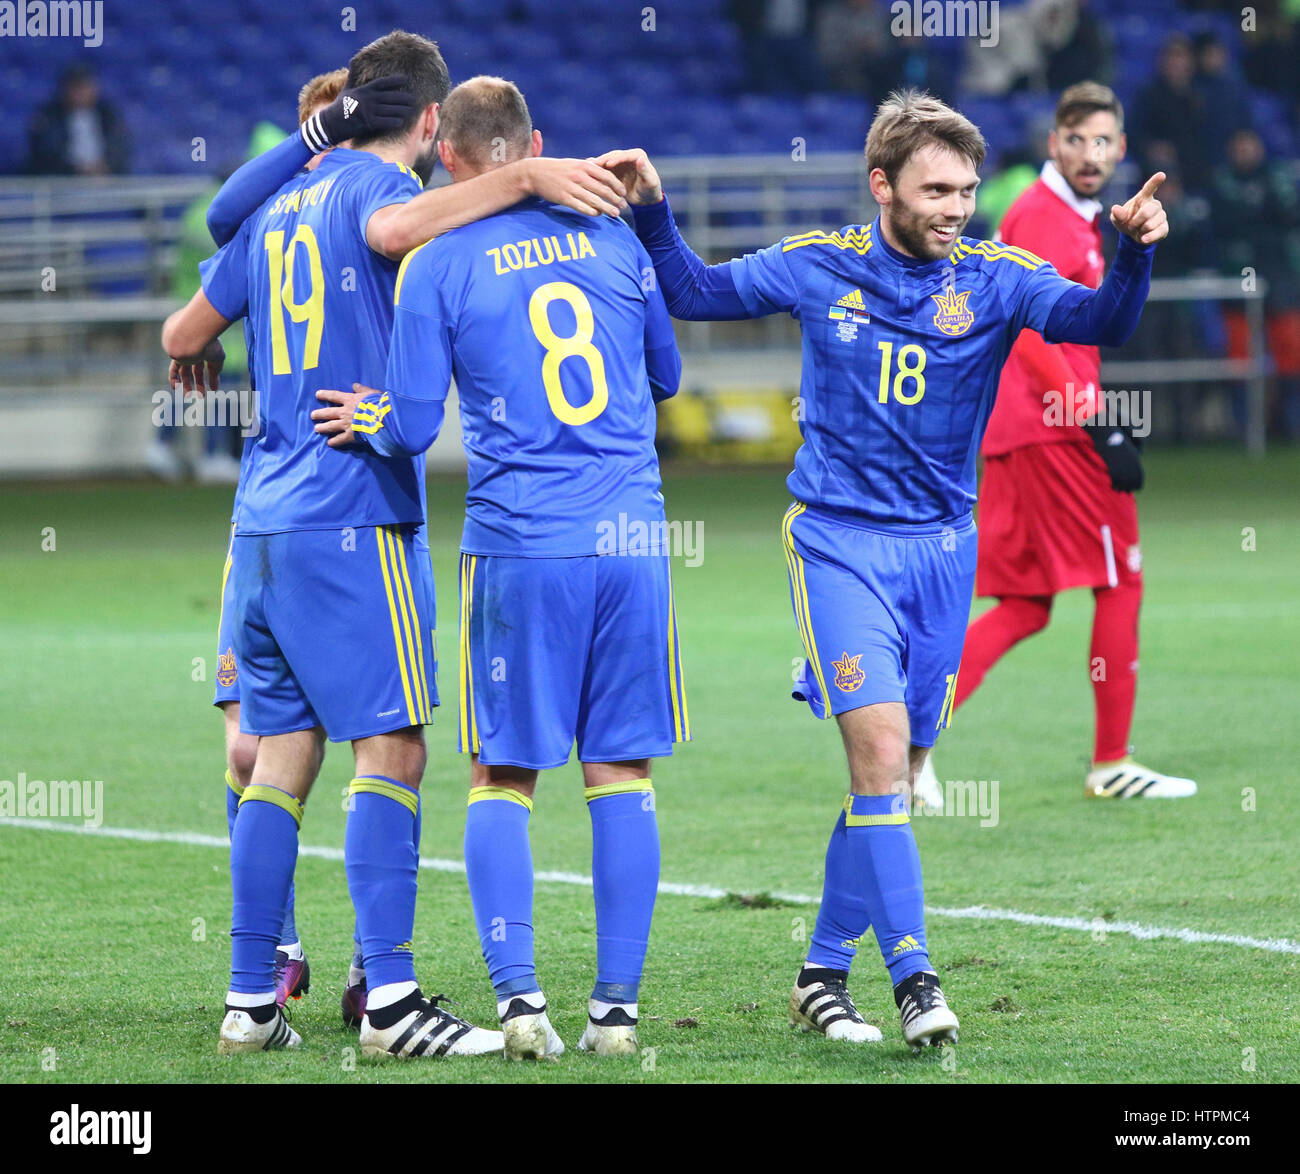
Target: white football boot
[527,1030]
[1127,779]
[611,1029]
[426,1031]
[824,1004]
[926,1017]
[928,790]
[240,1032]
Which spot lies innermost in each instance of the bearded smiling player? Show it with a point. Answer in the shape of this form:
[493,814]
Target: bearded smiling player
[905,325]
[1057,509]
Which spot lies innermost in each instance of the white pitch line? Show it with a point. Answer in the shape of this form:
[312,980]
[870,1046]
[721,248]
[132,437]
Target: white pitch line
[1133,929]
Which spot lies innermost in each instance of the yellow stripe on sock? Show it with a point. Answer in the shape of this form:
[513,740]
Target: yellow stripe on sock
[888,819]
[264,793]
[628,788]
[232,784]
[403,795]
[479,794]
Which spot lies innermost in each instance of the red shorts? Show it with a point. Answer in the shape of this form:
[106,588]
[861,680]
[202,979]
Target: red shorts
[1049,521]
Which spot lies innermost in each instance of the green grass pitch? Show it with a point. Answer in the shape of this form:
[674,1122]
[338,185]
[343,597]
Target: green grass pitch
[116,950]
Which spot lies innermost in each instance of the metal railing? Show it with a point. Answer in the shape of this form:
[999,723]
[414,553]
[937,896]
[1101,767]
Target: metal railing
[727,205]
[116,231]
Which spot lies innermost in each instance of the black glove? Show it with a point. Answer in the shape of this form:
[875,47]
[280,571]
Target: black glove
[379,106]
[1121,454]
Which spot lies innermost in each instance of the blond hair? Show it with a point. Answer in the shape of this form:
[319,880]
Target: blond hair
[320,91]
[910,120]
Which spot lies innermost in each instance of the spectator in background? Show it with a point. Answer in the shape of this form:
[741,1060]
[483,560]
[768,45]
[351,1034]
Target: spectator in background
[1016,63]
[77,132]
[1271,51]
[1256,215]
[1223,96]
[1169,134]
[853,40]
[778,52]
[1080,50]
[1179,329]
[908,63]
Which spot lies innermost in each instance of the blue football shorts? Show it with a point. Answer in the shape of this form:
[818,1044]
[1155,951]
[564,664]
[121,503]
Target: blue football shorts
[333,628]
[558,650]
[882,615]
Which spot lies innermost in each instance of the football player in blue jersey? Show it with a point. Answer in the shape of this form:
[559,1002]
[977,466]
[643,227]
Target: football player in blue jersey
[560,344]
[316,98]
[314,270]
[905,325]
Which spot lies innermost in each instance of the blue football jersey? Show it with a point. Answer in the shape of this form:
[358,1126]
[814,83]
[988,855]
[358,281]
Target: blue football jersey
[560,344]
[901,360]
[321,306]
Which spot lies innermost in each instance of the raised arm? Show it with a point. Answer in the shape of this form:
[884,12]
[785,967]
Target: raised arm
[663,362]
[1108,315]
[1063,311]
[384,104]
[692,290]
[575,183]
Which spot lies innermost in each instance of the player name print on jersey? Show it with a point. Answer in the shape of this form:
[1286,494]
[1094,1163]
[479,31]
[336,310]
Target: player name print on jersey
[546,250]
[296,201]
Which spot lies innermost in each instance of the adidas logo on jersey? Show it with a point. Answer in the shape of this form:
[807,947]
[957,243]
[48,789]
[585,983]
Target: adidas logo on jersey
[851,308]
[349,105]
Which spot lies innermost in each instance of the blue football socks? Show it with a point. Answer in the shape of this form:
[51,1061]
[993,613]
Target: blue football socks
[382,866]
[499,865]
[873,878]
[625,876]
[263,853]
[843,918]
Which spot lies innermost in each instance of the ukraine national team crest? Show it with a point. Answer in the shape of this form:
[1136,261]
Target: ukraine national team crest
[848,676]
[953,318]
[227,669]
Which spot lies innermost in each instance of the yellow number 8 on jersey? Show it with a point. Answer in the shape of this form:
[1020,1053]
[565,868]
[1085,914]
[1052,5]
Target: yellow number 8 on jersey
[578,346]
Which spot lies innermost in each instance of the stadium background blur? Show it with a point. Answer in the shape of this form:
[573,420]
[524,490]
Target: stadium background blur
[757,109]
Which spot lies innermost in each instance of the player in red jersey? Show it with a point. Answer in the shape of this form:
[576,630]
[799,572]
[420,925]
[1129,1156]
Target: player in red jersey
[1060,464]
